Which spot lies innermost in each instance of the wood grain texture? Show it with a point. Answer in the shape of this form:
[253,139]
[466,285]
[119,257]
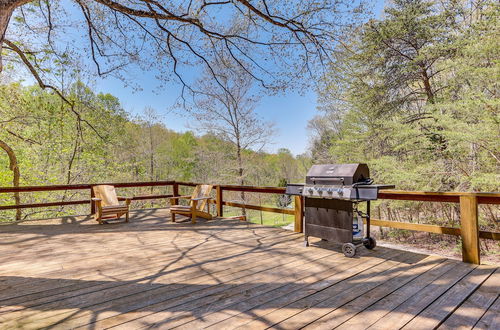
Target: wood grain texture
[259,208]
[470,311]
[223,274]
[299,214]
[218,199]
[469,229]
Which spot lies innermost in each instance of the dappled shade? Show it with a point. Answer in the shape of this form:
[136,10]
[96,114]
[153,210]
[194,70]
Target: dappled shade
[224,274]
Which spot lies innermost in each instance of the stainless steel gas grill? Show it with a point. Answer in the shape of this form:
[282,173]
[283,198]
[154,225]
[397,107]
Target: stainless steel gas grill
[332,194]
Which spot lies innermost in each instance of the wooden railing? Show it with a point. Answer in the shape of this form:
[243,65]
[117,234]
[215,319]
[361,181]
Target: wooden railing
[468,231]
[297,212]
[469,225]
[88,187]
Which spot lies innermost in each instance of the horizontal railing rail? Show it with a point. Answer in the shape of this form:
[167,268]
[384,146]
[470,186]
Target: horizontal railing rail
[84,186]
[468,231]
[428,196]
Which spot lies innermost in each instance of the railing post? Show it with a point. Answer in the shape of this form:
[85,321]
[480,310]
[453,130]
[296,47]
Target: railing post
[175,189]
[469,228]
[92,204]
[299,214]
[218,200]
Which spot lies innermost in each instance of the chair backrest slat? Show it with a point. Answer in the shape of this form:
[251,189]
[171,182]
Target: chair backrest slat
[201,190]
[107,194]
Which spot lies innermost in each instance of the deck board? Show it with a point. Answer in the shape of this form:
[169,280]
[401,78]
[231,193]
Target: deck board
[224,274]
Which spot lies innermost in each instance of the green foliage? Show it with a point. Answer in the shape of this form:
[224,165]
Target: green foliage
[52,147]
[415,96]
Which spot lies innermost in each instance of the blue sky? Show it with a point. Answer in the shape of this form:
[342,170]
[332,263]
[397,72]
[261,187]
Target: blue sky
[289,112]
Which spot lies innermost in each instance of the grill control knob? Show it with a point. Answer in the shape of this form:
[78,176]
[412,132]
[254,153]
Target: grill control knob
[340,191]
[330,191]
[310,190]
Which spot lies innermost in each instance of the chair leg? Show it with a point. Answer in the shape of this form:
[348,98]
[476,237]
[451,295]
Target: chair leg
[98,212]
[173,216]
[193,211]
[126,217]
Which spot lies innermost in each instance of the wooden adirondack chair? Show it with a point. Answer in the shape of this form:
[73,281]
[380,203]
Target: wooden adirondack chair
[198,201]
[107,205]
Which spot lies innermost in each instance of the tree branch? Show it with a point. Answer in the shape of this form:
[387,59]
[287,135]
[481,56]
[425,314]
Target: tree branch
[43,85]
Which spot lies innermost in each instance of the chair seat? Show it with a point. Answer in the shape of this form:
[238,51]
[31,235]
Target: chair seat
[182,208]
[114,208]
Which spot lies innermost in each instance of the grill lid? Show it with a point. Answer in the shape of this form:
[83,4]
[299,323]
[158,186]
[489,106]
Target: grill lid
[337,174]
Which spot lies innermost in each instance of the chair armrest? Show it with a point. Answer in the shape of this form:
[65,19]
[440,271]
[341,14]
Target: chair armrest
[175,199]
[184,197]
[95,199]
[200,198]
[128,200]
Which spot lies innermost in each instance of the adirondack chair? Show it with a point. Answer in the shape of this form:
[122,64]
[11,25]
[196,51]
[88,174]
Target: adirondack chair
[197,202]
[107,205]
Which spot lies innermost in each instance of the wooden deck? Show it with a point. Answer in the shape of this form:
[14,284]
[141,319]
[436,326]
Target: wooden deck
[226,274]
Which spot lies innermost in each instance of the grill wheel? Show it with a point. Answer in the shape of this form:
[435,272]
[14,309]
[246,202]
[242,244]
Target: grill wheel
[349,250]
[370,243]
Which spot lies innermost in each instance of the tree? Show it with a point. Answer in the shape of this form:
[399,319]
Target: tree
[263,38]
[43,138]
[413,94]
[270,41]
[387,73]
[227,111]
[13,166]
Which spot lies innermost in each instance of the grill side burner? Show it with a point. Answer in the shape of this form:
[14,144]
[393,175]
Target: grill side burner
[332,193]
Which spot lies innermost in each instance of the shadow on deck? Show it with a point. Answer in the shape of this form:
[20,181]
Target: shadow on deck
[68,273]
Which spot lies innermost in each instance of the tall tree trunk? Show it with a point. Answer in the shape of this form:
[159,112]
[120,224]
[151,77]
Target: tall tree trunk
[5,14]
[240,174]
[16,174]
[427,86]
[151,162]
[6,9]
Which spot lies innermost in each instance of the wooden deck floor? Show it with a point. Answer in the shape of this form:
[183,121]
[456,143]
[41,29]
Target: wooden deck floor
[226,274]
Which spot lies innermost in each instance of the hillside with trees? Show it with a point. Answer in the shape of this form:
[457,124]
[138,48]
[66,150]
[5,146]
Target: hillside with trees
[51,147]
[415,95]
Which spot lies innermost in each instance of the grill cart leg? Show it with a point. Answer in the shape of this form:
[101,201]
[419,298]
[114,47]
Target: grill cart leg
[369,242]
[368,219]
[306,241]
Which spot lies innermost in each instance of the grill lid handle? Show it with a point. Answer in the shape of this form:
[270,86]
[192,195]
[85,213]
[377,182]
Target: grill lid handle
[341,180]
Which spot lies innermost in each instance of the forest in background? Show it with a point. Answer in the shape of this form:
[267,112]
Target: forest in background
[415,95]
[52,147]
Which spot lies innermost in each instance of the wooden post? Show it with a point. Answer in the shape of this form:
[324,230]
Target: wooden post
[175,189]
[469,229]
[218,200]
[193,210]
[92,204]
[299,214]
